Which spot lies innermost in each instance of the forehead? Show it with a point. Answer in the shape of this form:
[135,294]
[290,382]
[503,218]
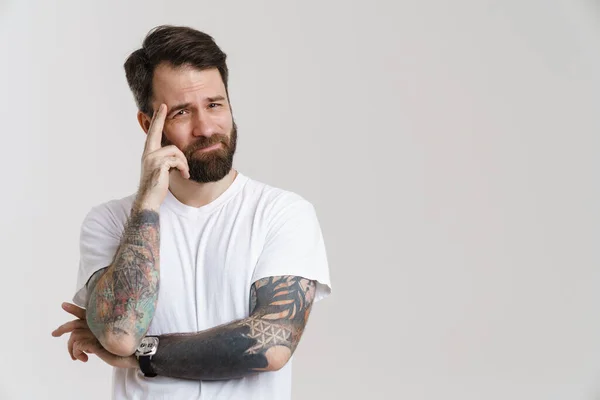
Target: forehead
[185,84]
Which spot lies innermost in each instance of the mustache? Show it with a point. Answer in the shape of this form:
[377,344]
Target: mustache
[204,142]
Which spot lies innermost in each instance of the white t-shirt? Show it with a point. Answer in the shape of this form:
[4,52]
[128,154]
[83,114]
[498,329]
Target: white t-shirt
[209,258]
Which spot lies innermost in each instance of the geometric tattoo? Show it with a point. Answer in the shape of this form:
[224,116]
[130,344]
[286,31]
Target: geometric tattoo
[284,299]
[264,341]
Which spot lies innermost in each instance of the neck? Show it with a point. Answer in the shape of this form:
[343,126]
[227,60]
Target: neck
[196,194]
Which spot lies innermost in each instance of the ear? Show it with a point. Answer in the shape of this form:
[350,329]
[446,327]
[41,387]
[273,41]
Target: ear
[144,121]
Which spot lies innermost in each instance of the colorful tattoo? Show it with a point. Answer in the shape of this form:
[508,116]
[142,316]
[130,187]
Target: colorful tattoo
[123,301]
[91,283]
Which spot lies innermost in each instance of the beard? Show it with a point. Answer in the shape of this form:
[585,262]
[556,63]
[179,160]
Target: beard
[213,165]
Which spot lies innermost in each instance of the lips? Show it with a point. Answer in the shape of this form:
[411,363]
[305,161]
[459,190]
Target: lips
[208,144]
[211,147]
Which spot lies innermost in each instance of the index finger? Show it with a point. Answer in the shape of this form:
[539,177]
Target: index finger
[154,136]
[74,310]
[69,327]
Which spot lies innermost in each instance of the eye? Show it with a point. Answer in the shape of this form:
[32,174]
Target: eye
[180,112]
[213,105]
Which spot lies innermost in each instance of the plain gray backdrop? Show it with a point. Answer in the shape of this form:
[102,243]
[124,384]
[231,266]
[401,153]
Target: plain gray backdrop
[449,147]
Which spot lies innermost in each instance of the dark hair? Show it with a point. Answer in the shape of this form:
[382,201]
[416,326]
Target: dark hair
[177,45]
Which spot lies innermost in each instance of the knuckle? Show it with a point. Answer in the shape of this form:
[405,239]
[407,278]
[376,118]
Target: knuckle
[90,335]
[153,164]
[76,335]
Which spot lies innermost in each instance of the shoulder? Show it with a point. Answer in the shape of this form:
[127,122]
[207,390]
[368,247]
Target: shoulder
[111,215]
[281,213]
[273,202]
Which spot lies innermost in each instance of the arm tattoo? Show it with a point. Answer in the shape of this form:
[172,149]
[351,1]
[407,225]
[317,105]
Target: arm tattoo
[91,283]
[123,300]
[252,298]
[262,342]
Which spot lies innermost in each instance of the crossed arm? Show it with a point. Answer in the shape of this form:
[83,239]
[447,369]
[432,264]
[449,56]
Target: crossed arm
[264,341]
[123,298]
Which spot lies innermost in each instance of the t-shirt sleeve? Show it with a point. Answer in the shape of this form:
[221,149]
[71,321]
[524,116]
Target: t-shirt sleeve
[98,242]
[294,246]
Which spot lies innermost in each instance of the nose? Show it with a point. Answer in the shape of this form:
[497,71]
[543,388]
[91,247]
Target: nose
[204,125]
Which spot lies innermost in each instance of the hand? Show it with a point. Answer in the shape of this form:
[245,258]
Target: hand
[157,161]
[83,341]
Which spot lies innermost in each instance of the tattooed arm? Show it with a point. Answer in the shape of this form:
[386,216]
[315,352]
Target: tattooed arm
[265,341]
[123,299]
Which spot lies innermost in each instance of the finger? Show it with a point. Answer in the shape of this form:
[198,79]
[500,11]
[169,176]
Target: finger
[70,344]
[154,159]
[154,114]
[70,349]
[76,336]
[81,346]
[89,346]
[70,327]
[78,353]
[170,150]
[75,310]
[156,128]
[177,162]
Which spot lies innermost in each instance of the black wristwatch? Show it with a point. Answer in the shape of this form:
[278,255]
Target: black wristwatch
[144,353]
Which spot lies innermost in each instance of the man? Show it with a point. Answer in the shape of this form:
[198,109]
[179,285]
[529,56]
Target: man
[200,284]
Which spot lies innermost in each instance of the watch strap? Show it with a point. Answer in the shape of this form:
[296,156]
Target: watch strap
[146,367]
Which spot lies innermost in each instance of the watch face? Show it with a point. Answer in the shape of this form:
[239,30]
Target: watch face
[148,346]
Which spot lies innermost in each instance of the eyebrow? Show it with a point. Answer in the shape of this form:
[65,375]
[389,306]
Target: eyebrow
[216,98]
[181,106]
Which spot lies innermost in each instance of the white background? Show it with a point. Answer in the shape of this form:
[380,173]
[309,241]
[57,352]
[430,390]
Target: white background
[449,147]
